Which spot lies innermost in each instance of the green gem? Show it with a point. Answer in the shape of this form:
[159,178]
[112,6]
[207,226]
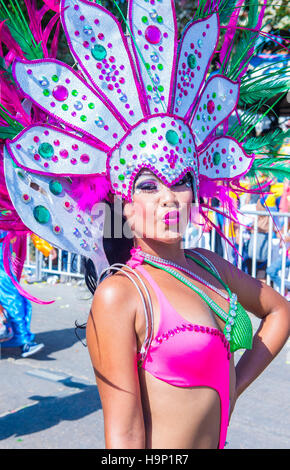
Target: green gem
[74,93]
[161,88]
[198,117]
[219,107]
[189,149]
[149,88]
[214,95]
[172,137]
[21,175]
[216,158]
[159,19]
[65,107]
[121,177]
[144,19]
[153,130]
[160,67]
[45,150]
[203,128]
[99,52]
[83,118]
[91,105]
[46,92]
[147,66]
[41,214]
[55,187]
[122,161]
[142,143]
[191,61]
[54,78]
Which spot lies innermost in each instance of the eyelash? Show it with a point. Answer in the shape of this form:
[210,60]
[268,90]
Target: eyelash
[146,190]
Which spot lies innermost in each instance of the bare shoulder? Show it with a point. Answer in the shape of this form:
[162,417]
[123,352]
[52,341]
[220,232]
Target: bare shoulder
[117,297]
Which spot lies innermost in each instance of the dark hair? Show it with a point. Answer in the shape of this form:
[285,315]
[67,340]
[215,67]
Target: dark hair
[117,250]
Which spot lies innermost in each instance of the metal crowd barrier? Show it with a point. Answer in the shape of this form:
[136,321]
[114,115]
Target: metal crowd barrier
[69,265]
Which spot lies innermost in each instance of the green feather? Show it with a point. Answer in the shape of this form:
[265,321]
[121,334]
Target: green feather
[272,167]
[272,140]
[19,29]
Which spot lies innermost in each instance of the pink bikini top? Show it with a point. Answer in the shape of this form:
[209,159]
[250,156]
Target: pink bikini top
[187,355]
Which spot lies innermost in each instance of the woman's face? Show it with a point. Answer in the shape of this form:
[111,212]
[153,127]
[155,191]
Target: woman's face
[157,211]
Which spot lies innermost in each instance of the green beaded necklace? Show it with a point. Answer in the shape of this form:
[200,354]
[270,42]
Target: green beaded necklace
[238,327]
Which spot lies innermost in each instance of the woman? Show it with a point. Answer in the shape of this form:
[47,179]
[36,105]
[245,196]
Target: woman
[147,100]
[141,410]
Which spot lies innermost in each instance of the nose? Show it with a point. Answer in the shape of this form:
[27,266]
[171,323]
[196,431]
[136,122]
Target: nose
[168,197]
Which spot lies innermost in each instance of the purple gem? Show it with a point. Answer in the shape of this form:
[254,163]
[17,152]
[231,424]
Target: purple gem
[153,34]
[60,93]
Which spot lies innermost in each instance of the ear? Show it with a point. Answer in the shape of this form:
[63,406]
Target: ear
[129,213]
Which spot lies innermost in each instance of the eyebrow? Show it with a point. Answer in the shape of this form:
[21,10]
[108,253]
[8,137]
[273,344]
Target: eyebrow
[146,174]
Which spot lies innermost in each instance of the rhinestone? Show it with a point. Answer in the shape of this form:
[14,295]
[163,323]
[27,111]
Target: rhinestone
[85,158]
[153,34]
[41,214]
[172,137]
[156,79]
[88,30]
[228,328]
[99,52]
[55,187]
[191,61]
[26,198]
[153,14]
[154,57]
[46,150]
[44,82]
[60,93]
[78,105]
[124,98]
[57,229]
[216,158]
[200,42]
[99,122]
[83,244]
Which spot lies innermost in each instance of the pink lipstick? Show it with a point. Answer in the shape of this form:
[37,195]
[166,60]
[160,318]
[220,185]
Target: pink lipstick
[171,218]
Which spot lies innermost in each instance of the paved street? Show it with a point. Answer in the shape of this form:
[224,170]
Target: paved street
[50,401]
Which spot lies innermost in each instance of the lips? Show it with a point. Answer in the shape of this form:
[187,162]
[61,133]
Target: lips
[171,218]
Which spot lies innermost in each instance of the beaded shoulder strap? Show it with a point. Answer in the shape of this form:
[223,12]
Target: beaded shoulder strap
[212,269]
[148,315]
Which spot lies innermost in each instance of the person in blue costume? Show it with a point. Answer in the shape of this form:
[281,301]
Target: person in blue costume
[18,311]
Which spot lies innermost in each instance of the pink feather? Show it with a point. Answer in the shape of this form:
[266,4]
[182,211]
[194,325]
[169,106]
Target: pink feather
[88,190]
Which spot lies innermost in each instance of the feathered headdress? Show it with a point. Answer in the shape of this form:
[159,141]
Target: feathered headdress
[138,96]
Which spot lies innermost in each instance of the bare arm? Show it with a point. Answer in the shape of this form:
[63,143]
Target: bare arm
[273,310]
[111,340]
